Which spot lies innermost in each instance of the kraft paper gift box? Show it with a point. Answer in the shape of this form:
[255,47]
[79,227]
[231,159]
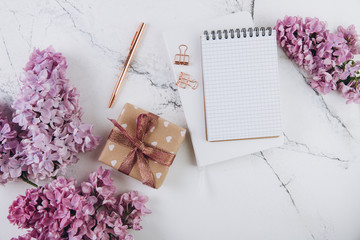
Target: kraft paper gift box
[161,141]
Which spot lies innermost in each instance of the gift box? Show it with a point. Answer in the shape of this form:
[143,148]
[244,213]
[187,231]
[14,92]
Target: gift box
[142,145]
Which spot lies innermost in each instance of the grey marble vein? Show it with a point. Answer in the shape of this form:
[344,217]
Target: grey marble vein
[88,34]
[284,186]
[31,34]
[239,6]
[292,145]
[73,6]
[329,114]
[234,6]
[8,54]
[67,12]
[139,71]
[147,75]
[20,27]
[174,103]
[252,8]
[172,98]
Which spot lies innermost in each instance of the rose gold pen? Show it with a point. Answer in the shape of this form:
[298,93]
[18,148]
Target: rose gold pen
[132,49]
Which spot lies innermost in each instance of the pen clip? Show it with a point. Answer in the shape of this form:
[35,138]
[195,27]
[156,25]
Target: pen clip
[133,41]
[136,35]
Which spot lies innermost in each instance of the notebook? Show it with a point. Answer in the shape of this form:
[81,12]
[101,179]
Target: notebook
[193,100]
[241,84]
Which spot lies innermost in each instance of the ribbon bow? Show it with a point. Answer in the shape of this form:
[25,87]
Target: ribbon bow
[140,153]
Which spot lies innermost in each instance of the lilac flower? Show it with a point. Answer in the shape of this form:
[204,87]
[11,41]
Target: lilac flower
[6,132]
[289,31]
[62,210]
[47,110]
[299,39]
[138,202]
[351,37]
[315,30]
[350,70]
[325,56]
[323,82]
[349,84]
[12,161]
[121,230]
[334,41]
[351,91]
[101,185]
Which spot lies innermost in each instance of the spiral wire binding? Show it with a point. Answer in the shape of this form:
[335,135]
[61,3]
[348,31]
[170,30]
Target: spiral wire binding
[243,32]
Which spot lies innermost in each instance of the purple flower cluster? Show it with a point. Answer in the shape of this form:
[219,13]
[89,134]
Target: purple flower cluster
[325,56]
[48,112]
[10,151]
[62,210]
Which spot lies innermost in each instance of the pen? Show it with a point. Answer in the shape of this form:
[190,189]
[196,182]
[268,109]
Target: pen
[132,49]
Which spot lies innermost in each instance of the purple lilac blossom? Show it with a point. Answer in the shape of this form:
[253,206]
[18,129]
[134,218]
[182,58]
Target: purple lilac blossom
[351,36]
[324,55]
[48,112]
[351,91]
[62,210]
[349,84]
[12,162]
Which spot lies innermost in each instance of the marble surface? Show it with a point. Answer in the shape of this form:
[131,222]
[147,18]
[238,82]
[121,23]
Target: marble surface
[306,189]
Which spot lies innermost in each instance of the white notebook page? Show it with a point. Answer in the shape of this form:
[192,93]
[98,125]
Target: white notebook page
[193,100]
[241,87]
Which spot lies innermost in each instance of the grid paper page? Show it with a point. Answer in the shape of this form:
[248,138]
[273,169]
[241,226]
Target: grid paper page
[241,87]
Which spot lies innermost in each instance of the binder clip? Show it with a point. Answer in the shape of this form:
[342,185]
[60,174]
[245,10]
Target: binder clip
[184,81]
[182,58]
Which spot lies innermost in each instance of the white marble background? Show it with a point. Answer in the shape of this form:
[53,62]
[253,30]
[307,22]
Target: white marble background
[306,189]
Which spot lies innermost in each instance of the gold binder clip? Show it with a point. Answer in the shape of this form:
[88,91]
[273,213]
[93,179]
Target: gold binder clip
[184,81]
[182,58]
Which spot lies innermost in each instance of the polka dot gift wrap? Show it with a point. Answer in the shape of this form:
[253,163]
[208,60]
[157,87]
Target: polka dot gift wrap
[162,135]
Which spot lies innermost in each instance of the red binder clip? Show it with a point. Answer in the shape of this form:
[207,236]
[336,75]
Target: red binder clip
[182,58]
[184,81]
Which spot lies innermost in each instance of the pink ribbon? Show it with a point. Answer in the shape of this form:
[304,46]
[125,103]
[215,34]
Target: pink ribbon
[141,152]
